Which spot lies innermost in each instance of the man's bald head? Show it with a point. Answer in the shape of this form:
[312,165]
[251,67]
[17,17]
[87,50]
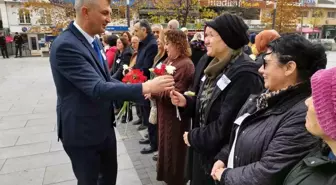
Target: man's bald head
[173,24]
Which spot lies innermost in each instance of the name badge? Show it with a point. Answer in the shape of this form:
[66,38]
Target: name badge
[103,54]
[223,82]
[203,78]
[241,119]
[118,61]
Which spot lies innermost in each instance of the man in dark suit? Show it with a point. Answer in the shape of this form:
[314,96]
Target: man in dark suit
[85,92]
[147,51]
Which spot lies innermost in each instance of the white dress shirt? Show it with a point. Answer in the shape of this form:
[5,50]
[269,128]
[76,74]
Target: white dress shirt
[87,36]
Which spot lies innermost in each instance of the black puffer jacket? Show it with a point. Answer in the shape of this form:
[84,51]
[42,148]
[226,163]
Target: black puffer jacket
[315,169]
[270,141]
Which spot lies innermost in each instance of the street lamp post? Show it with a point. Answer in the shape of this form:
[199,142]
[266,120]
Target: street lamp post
[128,13]
[274,16]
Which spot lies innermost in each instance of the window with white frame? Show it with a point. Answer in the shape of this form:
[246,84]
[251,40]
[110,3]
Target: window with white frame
[331,14]
[42,16]
[24,16]
[45,17]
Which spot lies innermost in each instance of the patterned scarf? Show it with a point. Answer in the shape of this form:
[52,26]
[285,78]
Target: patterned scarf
[264,98]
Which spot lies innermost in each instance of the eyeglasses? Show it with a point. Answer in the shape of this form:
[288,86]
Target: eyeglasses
[283,58]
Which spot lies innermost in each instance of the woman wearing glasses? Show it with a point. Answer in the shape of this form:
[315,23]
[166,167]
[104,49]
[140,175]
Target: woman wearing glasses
[269,135]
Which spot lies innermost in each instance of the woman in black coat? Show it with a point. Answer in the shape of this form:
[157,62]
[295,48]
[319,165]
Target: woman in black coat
[319,167]
[222,84]
[269,136]
[122,57]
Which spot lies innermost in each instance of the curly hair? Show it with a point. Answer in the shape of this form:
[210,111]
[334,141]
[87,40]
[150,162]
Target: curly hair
[179,39]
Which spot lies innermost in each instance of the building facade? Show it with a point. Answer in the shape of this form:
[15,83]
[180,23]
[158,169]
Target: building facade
[32,25]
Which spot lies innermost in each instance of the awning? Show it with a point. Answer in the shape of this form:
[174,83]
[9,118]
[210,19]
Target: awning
[308,30]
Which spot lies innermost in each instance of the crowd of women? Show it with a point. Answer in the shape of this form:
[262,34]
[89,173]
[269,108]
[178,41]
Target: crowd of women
[262,121]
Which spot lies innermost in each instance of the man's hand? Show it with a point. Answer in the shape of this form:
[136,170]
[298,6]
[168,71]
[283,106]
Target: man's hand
[218,165]
[158,84]
[219,173]
[178,99]
[185,138]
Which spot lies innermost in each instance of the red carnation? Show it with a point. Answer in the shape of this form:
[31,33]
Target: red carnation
[134,76]
[160,71]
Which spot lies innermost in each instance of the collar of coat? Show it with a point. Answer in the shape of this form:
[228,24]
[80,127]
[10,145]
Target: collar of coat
[283,101]
[149,37]
[319,157]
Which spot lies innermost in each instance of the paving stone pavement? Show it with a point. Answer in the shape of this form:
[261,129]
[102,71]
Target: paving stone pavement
[144,164]
[29,151]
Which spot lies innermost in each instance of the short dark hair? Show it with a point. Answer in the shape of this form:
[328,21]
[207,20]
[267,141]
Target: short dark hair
[111,40]
[309,57]
[16,33]
[144,24]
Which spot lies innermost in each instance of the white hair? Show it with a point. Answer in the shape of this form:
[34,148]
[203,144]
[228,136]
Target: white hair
[174,24]
[157,26]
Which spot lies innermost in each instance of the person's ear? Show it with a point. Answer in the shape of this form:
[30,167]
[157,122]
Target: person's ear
[85,12]
[290,68]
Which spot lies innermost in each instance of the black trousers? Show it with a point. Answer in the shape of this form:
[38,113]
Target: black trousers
[152,129]
[94,165]
[153,135]
[138,111]
[18,48]
[4,52]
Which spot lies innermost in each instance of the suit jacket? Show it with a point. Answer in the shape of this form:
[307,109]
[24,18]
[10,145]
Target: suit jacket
[146,53]
[85,90]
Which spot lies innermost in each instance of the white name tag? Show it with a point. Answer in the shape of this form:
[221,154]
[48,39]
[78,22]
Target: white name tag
[103,54]
[203,79]
[223,82]
[118,61]
[241,119]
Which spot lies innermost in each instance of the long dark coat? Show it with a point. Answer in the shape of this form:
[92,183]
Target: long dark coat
[206,141]
[172,150]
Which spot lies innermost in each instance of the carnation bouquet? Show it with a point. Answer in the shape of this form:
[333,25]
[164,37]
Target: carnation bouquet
[131,76]
[159,71]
